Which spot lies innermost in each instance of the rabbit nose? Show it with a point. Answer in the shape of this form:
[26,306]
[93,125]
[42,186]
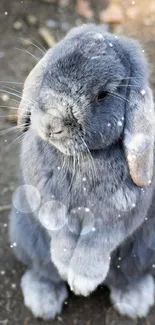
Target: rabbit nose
[55,127]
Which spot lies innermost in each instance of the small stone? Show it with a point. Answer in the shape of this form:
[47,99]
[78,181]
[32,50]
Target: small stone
[18,25]
[133,2]
[51,23]
[79,208]
[150,181]
[66,303]
[5,140]
[84,179]
[119,216]
[1,55]
[110,44]
[122,118]
[58,167]
[47,36]
[2,272]
[84,188]
[87,209]
[133,205]
[64,3]
[118,266]
[65,27]
[153,265]
[84,9]
[26,42]
[146,218]
[119,258]
[93,229]
[6,13]
[112,15]
[13,285]
[65,249]
[5,225]
[109,124]
[32,20]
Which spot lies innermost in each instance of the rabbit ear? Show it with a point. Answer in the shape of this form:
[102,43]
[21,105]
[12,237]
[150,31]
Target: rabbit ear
[30,93]
[139,136]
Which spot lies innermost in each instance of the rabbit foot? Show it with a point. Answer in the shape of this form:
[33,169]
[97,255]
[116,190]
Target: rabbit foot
[136,299]
[44,299]
[82,285]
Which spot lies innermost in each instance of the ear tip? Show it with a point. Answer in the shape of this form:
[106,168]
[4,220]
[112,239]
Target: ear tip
[142,181]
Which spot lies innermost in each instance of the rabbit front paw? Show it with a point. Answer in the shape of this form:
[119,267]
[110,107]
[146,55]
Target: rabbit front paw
[82,285]
[83,278]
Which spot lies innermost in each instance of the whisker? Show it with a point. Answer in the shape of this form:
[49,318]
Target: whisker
[118,96]
[5,116]
[37,42]
[11,82]
[21,97]
[91,158]
[25,51]
[73,175]
[9,107]
[22,39]
[13,128]
[16,140]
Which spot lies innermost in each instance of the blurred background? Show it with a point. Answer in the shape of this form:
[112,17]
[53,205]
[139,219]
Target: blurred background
[27,29]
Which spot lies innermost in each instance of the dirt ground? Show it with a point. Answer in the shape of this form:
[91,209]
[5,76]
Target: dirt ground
[14,67]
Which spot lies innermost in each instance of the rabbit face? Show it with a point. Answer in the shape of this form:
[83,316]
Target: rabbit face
[81,101]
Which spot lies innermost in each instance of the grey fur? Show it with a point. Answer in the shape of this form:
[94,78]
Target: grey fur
[92,163]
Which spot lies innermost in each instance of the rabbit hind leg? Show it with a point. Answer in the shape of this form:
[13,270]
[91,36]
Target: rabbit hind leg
[135,299]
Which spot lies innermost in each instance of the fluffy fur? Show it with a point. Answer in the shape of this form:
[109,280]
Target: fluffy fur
[89,143]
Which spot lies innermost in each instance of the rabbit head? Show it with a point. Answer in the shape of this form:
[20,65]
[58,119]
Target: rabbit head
[89,92]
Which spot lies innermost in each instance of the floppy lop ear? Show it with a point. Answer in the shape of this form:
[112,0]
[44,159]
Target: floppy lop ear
[30,93]
[139,135]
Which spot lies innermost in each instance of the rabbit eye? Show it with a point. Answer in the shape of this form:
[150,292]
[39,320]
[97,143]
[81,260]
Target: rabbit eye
[102,95]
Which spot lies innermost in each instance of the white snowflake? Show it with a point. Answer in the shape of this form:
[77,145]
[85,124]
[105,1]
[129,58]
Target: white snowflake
[119,123]
[143,92]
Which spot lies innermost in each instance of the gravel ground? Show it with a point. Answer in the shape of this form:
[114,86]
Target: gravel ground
[14,66]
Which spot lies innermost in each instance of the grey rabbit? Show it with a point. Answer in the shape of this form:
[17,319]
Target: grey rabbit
[82,212]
